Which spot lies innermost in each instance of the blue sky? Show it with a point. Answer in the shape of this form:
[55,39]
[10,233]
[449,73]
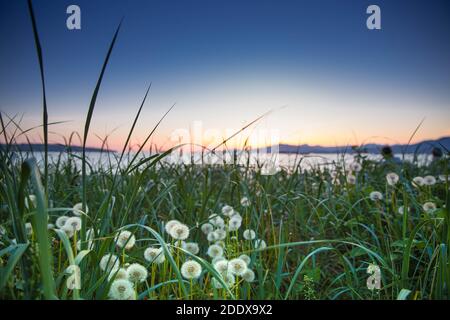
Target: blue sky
[226,62]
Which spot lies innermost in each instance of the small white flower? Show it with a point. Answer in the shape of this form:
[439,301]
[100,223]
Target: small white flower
[260,244]
[136,273]
[227,277]
[245,202]
[212,236]
[227,211]
[401,210]
[429,207]
[154,255]
[207,228]
[246,259]
[192,247]
[234,223]
[376,195]
[171,224]
[217,259]
[215,251]
[237,266]
[191,269]
[392,178]
[179,231]
[109,262]
[79,207]
[122,289]
[73,223]
[125,239]
[248,275]
[221,234]
[117,274]
[216,221]
[418,181]
[355,166]
[61,221]
[68,231]
[249,234]
[429,180]
[443,177]
[220,243]
[221,266]
[351,179]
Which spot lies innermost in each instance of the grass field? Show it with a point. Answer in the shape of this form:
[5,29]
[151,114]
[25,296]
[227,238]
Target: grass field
[146,229]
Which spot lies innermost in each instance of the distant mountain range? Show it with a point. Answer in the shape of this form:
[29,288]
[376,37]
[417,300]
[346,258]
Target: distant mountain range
[421,147]
[39,147]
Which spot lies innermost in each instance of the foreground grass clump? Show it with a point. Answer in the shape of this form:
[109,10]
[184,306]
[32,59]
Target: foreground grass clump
[185,231]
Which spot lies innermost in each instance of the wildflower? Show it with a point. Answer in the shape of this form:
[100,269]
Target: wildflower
[248,275]
[418,181]
[68,231]
[28,228]
[154,255]
[356,167]
[117,274]
[351,179]
[249,234]
[191,269]
[392,178]
[169,225]
[260,244]
[207,228]
[429,180]
[73,223]
[61,221]
[125,239]
[216,221]
[215,251]
[192,247]
[136,273]
[376,195]
[212,236]
[217,259]
[180,244]
[246,258]
[179,231]
[227,277]
[237,266]
[429,207]
[227,211]
[245,202]
[122,289]
[234,223]
[109,262]
[220,243]
[79,207]
[221,234]
[221,266]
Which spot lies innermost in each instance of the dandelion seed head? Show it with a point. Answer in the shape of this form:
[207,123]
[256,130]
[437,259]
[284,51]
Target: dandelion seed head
[179,231]
[79,207]
[191,269]
[249,234]
[392,178]
[248,275]
[245,258]
[376,196]
[192,247]
[154,255]
[207,228]
[260,244]
[429,180]
[171,224]
[418,182]
[109,262]
[245,202]
[61,221]
[122,289]
[221,266]
[237,266]
[429,207]
[214,251]
[227,210]
[73,223]
[136,273]
[125,239]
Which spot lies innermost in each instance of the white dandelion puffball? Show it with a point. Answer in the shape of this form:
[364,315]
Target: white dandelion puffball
[245,202]
[154,255]
[227,277]
[429,207]
[216,221]
[109,262]
[246,259]
[392,178]
[212,236]
[429,180]
[237,266]
[179,244]
[125,239]
[248,275]
[356,167]
[376,195]
[68,231]
[249,234]
[118,274]
[179,231]
[234,224]
[136,273]
[418,181]
[61,221]
[214,251]
[192,247]
[207,228]
[260,244]
[122,289]
[221,234]
[191,269]
[351,179]
[401,210]
[28,228]
[79,207]
[217,259]
[50,226]
[227,211]
[443,178]
[220,243]
[170,224]
[221,266]
[73,223]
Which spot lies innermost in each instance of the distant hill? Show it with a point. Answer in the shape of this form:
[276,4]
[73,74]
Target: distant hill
[421,147]
[39,147]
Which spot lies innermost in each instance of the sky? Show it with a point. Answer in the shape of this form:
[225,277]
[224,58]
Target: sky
[328,79]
